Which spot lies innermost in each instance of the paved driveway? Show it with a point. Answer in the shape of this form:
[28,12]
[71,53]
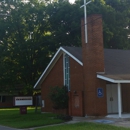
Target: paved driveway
[111,121]
[6,128]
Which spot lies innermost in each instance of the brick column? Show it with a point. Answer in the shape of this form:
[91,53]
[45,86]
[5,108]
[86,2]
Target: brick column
[93,62]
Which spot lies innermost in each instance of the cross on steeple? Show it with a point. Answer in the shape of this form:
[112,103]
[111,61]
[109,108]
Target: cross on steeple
[85,19]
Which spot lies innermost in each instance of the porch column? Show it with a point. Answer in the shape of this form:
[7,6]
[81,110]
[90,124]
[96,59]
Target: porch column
[119,100]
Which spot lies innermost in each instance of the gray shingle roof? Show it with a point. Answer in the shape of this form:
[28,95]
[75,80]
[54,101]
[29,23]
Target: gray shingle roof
[75,51]
[116,61]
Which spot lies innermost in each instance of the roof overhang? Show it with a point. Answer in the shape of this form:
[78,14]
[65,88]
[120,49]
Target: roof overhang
[115,78]
[60,51]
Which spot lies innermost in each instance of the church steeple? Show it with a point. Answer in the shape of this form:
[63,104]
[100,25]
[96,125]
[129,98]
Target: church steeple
[93,62]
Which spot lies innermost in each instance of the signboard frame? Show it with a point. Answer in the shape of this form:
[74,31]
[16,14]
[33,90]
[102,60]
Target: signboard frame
[23,101]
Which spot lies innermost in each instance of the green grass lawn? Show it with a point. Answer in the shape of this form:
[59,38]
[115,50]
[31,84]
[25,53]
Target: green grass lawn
[13,118]
[83,126]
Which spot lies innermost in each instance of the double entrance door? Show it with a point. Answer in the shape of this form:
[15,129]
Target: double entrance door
[112,98]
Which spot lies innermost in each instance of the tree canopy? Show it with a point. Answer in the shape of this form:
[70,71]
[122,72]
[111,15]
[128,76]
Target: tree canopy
[30,34]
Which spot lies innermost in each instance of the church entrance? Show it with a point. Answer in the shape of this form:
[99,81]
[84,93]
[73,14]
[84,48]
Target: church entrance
[76,103]
[112,98]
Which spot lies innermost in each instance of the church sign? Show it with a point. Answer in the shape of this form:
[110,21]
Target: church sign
[23,101]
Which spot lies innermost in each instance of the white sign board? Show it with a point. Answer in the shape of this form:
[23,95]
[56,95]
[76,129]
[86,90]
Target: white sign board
[23,101]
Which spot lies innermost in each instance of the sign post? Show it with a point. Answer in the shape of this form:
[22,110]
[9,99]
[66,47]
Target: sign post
[23,110]
[23,102]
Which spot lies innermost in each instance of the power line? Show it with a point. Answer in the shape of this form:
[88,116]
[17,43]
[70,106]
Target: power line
[75,29]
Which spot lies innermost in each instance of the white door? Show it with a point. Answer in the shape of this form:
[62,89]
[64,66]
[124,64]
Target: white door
[112,98]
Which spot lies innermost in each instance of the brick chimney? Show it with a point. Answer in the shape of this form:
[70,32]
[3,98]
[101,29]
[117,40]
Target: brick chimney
[93,62]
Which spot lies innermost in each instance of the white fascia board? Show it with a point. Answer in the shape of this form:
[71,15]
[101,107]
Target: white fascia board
[105,78]
[72,56]
[112,80]
[52,62]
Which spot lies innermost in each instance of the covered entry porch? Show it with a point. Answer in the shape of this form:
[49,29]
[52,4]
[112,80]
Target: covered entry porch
[120,81]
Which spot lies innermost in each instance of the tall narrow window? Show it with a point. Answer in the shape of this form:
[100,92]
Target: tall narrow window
[66,71]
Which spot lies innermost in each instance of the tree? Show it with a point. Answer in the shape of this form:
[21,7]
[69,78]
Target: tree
[29,37]
[59,97]
[115,21]
[30,34]
[25,53]
[64,20]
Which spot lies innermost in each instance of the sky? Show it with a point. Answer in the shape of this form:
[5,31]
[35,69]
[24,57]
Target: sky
[71,1]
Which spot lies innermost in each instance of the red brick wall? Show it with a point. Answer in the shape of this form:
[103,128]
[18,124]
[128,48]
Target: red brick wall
[54,78]
[76,76]
[76,85]
[93,62]
[6,104]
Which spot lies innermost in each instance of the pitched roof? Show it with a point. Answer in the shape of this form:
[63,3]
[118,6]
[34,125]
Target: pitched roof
[117,66]
[117,63]
[73,52]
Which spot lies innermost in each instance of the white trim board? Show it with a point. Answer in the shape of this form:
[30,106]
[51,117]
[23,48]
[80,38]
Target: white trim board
[53,59]
[112,80]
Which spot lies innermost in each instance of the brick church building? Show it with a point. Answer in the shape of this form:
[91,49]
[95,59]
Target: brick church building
[98,79]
